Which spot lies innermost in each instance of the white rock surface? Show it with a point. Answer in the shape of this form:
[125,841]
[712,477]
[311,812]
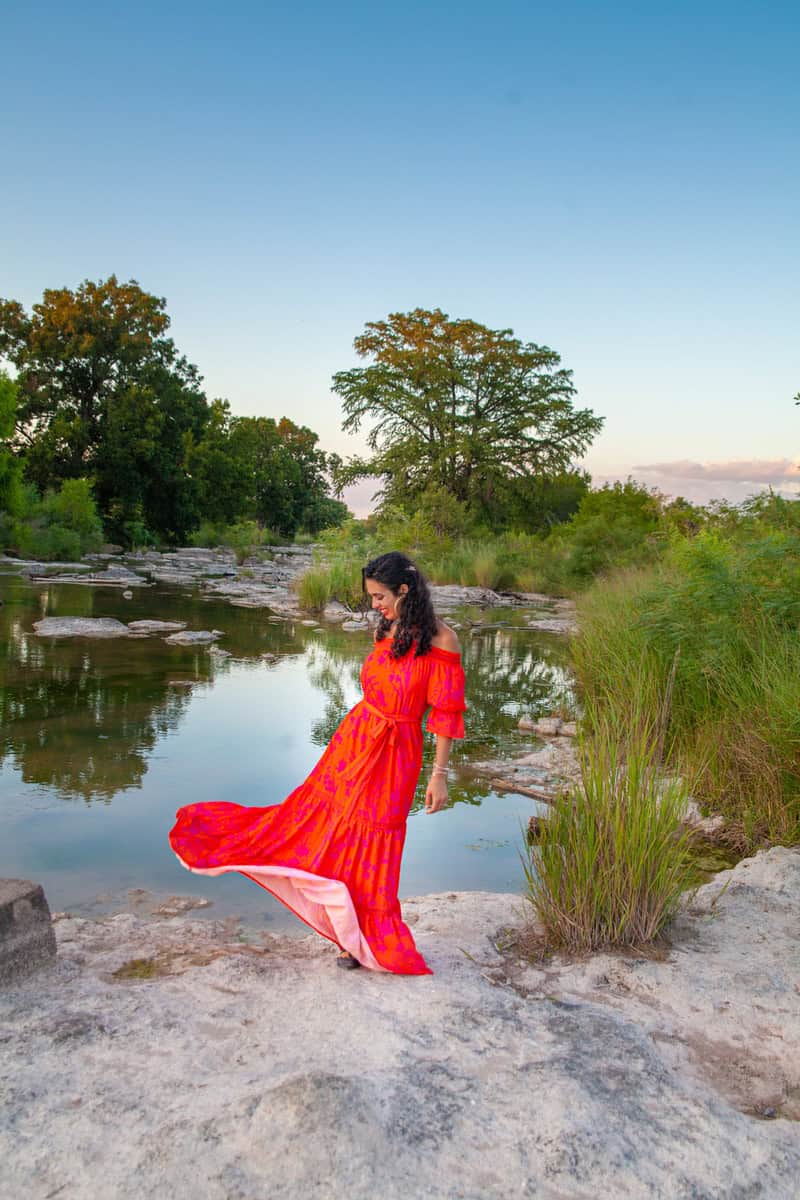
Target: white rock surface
[261,1070]
[193,637]
[92,627]
[155,626]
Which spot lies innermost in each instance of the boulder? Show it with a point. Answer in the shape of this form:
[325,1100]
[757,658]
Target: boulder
[27,938]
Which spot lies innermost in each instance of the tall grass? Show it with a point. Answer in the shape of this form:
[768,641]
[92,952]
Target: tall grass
[337,579]
[718,624]
[612,859]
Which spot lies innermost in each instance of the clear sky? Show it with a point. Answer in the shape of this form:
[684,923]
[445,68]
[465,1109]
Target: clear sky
[618,181]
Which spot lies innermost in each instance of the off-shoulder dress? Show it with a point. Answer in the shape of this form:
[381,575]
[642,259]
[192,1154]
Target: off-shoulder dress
[331,851]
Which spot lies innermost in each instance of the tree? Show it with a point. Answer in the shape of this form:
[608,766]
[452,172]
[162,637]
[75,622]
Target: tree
[286,475]
[221,479]
[10,467]
[460,406]
[104,394]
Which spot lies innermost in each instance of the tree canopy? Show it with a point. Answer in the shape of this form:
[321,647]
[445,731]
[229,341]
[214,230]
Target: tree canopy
[459,406]
[102,394]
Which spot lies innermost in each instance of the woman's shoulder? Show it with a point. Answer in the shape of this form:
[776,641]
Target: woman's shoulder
[445,639]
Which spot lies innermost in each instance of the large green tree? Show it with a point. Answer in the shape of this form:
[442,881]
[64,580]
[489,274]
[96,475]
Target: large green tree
[454,404]
[103,393]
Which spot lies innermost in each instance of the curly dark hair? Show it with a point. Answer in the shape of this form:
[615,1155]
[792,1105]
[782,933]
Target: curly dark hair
[416,618]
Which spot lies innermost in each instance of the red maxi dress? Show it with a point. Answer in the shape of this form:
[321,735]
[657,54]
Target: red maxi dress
[331,851]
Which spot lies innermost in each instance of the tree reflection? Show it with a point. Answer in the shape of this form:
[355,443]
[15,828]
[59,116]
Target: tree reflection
[81,716]
[510,672]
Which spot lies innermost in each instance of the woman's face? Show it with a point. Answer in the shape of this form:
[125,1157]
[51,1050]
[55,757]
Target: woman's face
[383,599]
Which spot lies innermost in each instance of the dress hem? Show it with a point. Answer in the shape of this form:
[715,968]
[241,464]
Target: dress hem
[328,910]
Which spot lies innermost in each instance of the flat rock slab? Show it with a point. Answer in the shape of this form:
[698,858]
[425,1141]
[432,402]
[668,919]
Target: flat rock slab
[553,625]
[156,1051]
[90,627]
[193,637]
[27,938]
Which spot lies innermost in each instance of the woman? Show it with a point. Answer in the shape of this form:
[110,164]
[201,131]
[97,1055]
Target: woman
[331,851]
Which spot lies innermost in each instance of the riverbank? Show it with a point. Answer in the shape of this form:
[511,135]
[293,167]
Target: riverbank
[264,581]
[220,1067]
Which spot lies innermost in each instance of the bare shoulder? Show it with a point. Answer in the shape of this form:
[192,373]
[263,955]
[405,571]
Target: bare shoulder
[446,638]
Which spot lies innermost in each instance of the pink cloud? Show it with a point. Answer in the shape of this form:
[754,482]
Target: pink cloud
[766,472]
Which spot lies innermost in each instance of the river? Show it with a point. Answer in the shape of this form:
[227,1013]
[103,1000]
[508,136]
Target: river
[103,739]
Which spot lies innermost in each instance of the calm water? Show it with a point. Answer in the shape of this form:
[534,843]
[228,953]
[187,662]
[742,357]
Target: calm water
[103,740]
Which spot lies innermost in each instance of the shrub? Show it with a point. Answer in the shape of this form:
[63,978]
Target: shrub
[64,525]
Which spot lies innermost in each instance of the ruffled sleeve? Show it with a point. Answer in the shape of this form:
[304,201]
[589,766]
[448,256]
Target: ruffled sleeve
[446,694]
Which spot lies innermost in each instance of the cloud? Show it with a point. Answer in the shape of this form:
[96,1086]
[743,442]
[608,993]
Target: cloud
[774,472]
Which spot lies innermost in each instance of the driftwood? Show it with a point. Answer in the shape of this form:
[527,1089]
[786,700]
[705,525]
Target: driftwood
[505,785]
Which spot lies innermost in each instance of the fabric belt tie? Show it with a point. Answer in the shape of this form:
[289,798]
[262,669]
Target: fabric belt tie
[393,717]
[364,762]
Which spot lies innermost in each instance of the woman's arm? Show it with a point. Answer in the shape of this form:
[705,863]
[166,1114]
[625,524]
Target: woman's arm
[436,795]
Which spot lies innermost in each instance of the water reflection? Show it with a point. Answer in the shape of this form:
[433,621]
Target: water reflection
[83,717]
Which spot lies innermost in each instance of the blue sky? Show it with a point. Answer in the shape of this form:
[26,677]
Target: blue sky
[620,182]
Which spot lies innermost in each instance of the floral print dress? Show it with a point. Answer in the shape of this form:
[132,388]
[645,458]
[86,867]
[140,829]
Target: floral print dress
[331,851]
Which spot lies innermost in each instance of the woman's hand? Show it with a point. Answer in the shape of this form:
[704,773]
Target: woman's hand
[436,794]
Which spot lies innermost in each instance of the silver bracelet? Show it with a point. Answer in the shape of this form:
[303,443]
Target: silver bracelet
[436,769]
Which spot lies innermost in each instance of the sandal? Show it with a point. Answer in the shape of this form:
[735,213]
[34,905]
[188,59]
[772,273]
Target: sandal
[347,962]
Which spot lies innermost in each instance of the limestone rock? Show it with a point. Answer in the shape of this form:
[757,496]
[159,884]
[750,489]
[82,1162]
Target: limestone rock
[334,611]
[613,1076]
[91,627]
[193,637]
[27,939]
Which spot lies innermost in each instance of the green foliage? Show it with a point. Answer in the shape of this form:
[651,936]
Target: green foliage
[104,394]
[717,624]
[62,525]
[617,525]
[73,507]
[612,861]
[10,466]
[245,538]
[536,503]
[461,407]
[339,579]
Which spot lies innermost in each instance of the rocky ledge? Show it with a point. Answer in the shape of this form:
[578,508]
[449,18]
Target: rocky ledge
[174,1058]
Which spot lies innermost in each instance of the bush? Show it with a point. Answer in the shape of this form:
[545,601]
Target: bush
[48,543]
[245,538]
[72,507]
[64,525]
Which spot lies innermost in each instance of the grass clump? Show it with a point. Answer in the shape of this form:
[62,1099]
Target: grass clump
[612,859]
[245,538]
[140,968]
